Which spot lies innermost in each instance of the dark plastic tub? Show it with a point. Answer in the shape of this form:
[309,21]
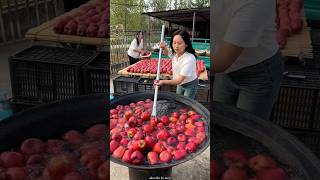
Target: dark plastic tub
[52,120]
[139,172]
[283,146]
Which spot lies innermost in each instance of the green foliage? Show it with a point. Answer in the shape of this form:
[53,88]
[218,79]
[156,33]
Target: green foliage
[128,13]
[199,3]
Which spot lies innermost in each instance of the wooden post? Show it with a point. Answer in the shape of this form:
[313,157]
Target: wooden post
[3,32]
[46,9]
[149,31]
[11,20]
[17,19]
[193,24]
[37,11]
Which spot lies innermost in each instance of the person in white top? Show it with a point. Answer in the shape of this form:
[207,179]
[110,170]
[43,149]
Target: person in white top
[136,48]
[183,64]
[247,62]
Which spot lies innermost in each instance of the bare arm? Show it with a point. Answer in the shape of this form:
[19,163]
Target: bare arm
[165,50]
[137,50]
[176,81]
[133,46]
[225,56]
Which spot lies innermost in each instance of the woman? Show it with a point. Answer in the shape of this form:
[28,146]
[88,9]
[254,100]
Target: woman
[136,48]
[247,61]
[183,64]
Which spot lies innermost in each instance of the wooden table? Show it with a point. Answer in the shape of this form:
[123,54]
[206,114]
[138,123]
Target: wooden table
[45,32]
[124,72]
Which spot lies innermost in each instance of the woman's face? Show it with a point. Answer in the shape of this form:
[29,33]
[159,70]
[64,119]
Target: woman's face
[140,35]
[178,44]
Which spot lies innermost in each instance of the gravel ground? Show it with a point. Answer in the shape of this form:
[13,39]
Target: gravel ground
[196,169]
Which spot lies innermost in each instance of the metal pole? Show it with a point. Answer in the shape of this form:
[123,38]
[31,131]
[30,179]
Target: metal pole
[17,19]
[3,32]
[154,108]
[149,31]
[125,21]
[193,24]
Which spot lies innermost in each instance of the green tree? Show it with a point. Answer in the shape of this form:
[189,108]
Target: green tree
[128,13]
[199,3]
[158,5]
[183,4]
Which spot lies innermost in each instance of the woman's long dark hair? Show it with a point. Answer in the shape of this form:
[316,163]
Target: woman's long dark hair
[137,34]
[186,38]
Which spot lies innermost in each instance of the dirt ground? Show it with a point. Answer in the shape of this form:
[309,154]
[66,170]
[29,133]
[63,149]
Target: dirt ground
[195,169]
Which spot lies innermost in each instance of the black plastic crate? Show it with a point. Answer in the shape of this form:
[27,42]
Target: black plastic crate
[313,23]
[295,106]
[45,74]
[124,85]
[309,139]
[316,54]
[316,119]
[203,94]
[145,84]
[96,74]
[303,63]
[315,36]
[169,88]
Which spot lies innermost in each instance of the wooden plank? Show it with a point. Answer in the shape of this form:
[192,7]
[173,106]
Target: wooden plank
[299,45]
[32,33]
[203,75]
[45,32]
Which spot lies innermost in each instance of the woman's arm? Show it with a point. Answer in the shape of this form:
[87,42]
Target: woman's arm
[176,81]
[133,46]
[225,56]
[163,46]
[137,50]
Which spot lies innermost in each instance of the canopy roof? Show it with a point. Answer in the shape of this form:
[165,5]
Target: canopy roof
[183,17]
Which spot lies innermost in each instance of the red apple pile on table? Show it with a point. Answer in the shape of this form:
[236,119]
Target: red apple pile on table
[150,66]
[288,20]
[137,138]
[91,20]
[238,165]
[76,156]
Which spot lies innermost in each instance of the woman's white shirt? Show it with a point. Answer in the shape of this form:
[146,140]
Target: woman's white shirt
[249,24]
[134,45]
[185,65]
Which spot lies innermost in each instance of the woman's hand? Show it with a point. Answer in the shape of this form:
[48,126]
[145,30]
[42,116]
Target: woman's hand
[162,45]
[158,82]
